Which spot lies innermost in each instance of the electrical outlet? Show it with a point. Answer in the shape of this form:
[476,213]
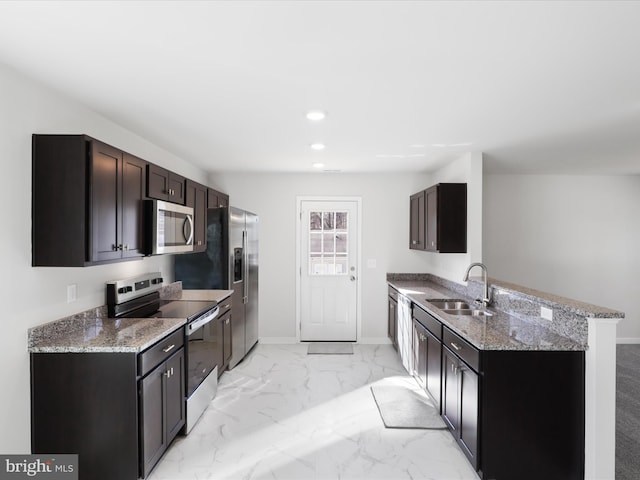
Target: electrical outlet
[71,293]
[546,313]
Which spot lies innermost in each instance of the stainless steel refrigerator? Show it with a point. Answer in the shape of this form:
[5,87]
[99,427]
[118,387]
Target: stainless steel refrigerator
[229,263]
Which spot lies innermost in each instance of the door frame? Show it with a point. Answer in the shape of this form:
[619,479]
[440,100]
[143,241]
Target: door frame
[298,272]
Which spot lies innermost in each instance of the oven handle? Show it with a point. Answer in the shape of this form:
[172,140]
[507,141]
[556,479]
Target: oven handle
[193,326]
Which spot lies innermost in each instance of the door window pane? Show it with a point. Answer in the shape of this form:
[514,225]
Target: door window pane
[315,221]
[341,221]
[327,220]
[328,243]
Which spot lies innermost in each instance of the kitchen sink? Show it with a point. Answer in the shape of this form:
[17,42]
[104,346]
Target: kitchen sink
[468,311]
[450,304]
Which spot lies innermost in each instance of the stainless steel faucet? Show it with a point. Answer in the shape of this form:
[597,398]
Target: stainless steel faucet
[486,299]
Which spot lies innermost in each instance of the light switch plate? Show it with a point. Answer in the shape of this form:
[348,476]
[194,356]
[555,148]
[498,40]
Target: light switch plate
[371,263]
[71,293]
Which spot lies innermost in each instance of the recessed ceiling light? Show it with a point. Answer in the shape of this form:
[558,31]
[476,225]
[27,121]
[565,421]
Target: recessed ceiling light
[318,165]
[316,115]
[317,146]
[418,145]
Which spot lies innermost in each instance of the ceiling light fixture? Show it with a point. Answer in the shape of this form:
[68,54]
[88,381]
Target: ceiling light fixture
[317,146]
[316,115]
[318,165]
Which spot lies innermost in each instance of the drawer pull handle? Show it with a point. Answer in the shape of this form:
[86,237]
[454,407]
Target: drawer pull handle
[169,348]
[456,346]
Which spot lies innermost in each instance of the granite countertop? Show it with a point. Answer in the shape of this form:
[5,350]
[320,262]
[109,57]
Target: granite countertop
[501,331]
[93,331]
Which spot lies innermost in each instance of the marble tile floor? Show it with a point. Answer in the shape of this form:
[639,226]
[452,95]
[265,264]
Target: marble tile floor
[283,414]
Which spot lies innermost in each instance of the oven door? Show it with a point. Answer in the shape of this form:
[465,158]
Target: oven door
[202,341]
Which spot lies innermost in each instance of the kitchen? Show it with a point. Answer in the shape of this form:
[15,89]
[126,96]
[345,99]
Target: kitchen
[539,229]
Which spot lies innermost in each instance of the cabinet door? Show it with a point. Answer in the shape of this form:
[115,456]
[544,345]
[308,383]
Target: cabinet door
[216,199]
[392,320]
[106,237]
[416,221]
[152,418]
[433,366]
[420,353]
[134,178]
[450,395]
[227,349]
[174,398]
[177,190]
[197,199]
[469,413]
[157,182]
[218,332]
[431,208]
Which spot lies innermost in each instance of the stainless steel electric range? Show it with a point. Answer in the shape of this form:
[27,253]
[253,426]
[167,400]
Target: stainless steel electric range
[139,297]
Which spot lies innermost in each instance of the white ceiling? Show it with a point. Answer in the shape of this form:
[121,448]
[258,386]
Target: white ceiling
[539,87]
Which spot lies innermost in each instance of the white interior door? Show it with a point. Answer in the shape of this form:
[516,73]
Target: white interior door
[328,270]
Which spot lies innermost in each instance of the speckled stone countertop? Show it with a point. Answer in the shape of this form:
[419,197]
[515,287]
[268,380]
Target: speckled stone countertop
[514,326]
[93,331]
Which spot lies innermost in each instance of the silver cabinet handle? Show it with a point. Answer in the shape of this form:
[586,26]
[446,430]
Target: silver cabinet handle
[169,348]
[456,346]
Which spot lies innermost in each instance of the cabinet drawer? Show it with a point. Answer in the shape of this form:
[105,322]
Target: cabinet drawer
[160,351]
[463,349]
[428,321]
[393,293]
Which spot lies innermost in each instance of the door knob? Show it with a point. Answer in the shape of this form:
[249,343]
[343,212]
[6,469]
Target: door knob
[352,278]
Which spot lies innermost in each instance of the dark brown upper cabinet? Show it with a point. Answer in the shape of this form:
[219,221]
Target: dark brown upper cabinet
[163,184]
[438,219]
[416,223]
[197,199]
[216,199]
[86,202]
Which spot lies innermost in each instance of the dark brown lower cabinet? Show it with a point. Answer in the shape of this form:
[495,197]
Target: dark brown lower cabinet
[392,317]
[515,413]
[118,411]
[460,403]
[87,404]
[223,345]
[162,409]
[427,361]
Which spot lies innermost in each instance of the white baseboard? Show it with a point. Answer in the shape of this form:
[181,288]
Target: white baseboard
[627,340]
[374,341]
[277,340]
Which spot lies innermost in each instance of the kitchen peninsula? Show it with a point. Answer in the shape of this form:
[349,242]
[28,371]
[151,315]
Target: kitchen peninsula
[518,392]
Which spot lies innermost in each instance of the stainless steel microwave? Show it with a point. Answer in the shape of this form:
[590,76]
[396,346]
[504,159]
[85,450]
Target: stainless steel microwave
[169,227]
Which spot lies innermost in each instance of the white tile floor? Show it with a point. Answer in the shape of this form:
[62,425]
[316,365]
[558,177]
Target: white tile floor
[283,414]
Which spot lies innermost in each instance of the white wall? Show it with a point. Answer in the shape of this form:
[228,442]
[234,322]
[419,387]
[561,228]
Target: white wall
[32,296]
[575,236]
[385,234]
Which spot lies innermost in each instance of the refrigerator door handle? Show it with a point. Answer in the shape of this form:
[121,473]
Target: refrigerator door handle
[245,261]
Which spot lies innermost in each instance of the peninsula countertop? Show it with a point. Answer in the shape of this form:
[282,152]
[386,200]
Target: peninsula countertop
[501,331]
[93,331]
